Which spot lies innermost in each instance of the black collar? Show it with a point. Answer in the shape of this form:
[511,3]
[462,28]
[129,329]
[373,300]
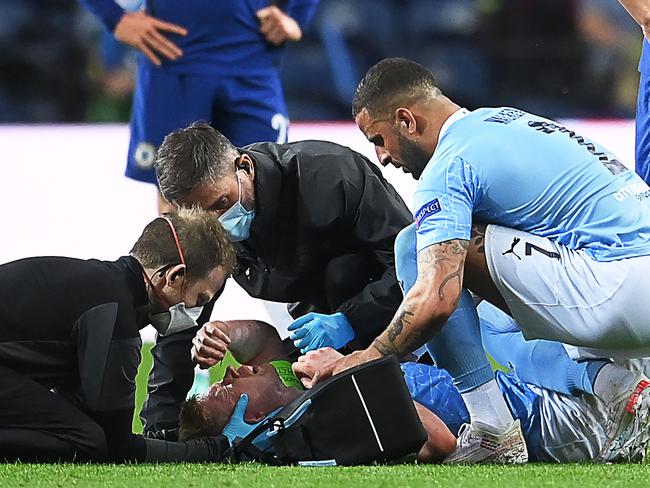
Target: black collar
[268,192]
[135,279]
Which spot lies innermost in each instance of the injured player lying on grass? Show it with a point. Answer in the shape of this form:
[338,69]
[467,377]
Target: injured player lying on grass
[557,427]
[267,383]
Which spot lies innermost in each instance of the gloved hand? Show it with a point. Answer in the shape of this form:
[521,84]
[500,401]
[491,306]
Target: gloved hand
[315,330]
[237,426]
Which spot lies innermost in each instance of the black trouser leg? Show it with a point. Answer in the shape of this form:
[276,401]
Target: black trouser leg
[28,445]
[39,425]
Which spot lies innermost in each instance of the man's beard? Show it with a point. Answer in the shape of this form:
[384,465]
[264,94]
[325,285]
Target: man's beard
[414,158]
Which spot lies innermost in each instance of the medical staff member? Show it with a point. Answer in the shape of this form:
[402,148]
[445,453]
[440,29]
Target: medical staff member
[205,60]
[70,342]
[312,222]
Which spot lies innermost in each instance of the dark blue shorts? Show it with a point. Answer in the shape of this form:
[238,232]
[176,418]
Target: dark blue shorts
[642,144]
[246,109]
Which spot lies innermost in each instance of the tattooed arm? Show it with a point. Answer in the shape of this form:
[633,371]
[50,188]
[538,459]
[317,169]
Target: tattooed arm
[424,310]
[430,302]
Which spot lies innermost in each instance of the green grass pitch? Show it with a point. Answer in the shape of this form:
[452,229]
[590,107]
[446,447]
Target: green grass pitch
[254,475]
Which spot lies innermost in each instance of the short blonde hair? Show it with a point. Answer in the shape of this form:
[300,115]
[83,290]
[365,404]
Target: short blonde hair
[192,422]
[203,240]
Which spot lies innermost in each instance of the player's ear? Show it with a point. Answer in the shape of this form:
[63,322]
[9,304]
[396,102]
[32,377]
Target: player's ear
[406,122]
[245,163]
[175,275]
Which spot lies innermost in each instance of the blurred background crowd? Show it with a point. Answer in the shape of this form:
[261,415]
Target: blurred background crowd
[558,58]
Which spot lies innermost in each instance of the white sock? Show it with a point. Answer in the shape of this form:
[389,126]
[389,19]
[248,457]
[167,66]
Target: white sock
[486,404]
[612,380]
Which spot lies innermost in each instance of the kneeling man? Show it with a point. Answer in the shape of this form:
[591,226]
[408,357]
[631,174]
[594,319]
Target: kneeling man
[565,252]
[70,342]
[262,385]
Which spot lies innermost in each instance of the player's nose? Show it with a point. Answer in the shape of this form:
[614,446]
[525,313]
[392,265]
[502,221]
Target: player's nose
[245,371]
[230,373]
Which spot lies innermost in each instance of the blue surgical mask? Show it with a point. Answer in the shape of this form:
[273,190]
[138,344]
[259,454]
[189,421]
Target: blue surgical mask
[237,220]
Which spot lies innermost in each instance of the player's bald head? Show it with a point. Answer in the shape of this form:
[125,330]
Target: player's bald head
[392,83]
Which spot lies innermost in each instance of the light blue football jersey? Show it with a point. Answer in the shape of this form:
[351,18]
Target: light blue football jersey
[508,167]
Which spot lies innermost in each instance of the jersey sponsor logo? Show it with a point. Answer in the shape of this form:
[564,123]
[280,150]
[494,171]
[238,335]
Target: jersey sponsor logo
[431,208]
[614,166]
[638,190]
[528,250]
[506,116]
[515,241]
[145,155]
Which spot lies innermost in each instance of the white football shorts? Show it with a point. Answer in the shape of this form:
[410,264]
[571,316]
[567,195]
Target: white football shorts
[599,309]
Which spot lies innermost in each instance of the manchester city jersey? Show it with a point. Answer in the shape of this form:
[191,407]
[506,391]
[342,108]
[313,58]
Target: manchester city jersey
[508,167]
[434,389]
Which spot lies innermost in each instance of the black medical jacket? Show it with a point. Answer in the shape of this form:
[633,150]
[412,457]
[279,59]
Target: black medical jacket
[73,326]
[314,201]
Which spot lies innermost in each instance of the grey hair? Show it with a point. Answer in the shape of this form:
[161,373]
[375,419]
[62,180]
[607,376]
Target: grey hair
[191,156]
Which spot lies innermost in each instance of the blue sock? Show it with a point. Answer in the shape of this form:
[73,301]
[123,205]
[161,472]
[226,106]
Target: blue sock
[457,348]
[406,258]
[531,359]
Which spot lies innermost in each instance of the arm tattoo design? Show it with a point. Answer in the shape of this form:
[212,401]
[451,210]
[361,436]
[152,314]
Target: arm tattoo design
[441,263]
[436,260]
[478,237]
[452,276]
[384,349]
[397,326]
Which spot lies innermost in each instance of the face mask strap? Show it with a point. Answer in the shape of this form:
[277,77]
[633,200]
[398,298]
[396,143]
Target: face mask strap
[180,254]
[238,186]
[236,220]
[176,239]
[147,279]
[180,251]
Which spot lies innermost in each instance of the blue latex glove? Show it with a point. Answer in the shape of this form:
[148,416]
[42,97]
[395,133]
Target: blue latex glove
[316,330]
[237,426]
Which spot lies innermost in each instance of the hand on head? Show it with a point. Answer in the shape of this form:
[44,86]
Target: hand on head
[237,427]
[313,366]
[210,344]
[317,366]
